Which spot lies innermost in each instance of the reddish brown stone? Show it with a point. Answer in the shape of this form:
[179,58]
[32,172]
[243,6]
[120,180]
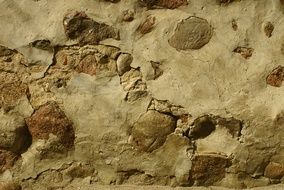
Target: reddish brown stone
[276,77]
[274,170]
[88,65]
[11,89]
[7,159]
[245,52]
[50,119]
[209,168]
[9,186]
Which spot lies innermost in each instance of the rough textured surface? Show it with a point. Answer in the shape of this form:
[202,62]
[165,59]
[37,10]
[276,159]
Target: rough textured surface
[208,169]
[79,25]
[276,77]
[191,33]
[141,94]
[50,119]
[170,4]
[151,130]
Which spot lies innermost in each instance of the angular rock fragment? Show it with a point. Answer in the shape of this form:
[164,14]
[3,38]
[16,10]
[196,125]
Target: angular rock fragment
[245,52]
[208,168]
[169,4]
[7,159]
[131,82]
[234,126]
[147,26]
[79,26]
[151,130]
[50,119]
[155,71]
[11,90]
[166,107]
[83,60]
[276,77]
[191,33]
[268,29]
[274,170]
[202,127]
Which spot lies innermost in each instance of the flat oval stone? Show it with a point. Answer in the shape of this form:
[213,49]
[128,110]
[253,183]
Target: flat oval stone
[191,33]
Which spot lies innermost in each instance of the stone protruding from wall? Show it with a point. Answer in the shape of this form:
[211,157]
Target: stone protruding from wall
[276,77]
[50,119]
[151,130]
[208,168]
[79,26]
[170,4]
[191,33]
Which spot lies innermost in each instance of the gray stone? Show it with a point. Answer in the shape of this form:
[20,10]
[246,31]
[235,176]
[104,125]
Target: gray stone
[191,33]
[123,63]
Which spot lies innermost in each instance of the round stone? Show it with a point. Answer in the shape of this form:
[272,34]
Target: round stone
[191,33]
[151,130]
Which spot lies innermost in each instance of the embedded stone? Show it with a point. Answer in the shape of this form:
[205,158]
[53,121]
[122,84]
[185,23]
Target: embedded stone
[191,33]
[7,159]
[268,29]
[9,186]
[128,15]
[41,44]
[245,52]
[4,51]
[147,26]
[276,77]
[50,119]
[79,26]
[11,90]
[113,1]
[208,168]
[234,126]
[274,170]
[14,136]
[86,59]
[151,130]
[169,4]
[224,1]
[123,63]
[234,25]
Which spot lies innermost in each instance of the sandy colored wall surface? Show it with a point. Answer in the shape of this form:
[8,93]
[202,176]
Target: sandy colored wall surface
[141,92]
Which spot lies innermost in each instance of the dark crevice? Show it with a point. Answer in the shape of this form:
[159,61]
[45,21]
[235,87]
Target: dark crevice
[202,127]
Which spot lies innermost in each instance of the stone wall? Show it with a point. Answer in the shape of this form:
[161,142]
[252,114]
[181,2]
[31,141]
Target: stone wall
[141,92]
